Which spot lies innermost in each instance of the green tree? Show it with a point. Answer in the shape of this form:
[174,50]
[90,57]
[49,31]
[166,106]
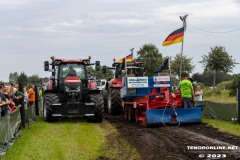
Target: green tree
[218,60]
[23,79]
[187,65]
[197,77]
[13,77]
[99,74]
[34,79]
[208,76]
[150,56]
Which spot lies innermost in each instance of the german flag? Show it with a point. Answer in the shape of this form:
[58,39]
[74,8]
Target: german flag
[128,59]
[120,60]
[174,37]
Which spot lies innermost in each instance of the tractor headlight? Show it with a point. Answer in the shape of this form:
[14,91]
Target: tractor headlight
[78,89]
[67,89]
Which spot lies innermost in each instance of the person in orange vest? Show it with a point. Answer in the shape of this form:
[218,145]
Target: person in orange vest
[31,95]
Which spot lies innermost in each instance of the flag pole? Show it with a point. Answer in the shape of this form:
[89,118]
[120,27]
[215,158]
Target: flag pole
[169,66]
[131,52]
[183,19]
[180,70]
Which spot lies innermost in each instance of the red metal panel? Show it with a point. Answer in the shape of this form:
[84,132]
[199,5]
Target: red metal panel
[117,83]
[72,79]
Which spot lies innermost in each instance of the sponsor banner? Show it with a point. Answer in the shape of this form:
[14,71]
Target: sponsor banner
[137,82]
[161,85]
[161,81]
[161,78]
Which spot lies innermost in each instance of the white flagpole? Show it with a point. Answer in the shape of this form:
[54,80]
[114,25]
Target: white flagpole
[180,70]
[183,18]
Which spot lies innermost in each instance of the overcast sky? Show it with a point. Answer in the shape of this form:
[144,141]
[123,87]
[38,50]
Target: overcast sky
[33,30]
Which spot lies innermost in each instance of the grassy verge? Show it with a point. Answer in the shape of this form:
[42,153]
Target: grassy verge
[72,139]
[218,96]
[224,126]
[63,140]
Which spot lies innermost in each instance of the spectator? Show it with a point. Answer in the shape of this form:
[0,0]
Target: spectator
[13,91]
[16,89]
[25,99]
[40,92]
[17,99]
[31,95]
[199,93]
[187,92]
[3,102]
[7,95]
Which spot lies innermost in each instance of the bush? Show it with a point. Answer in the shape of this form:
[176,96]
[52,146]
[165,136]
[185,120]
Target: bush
[224,85]
[209,93]
[217,91]
[234,86]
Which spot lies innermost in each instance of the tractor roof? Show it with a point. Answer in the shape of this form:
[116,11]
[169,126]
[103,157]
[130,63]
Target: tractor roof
[85,61]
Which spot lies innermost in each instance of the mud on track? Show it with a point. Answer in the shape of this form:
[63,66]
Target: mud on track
[160,143]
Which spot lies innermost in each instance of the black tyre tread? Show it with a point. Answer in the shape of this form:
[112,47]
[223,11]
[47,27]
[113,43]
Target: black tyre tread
[49,99]
[105,100]
[97,99]
[116,107]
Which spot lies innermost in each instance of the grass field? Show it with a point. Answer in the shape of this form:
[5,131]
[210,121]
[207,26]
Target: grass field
[70,139]
[63,140]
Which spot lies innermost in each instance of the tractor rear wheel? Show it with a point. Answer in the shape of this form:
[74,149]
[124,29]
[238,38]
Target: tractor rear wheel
[97,99]
[105,100]
[114,100]
[47,107]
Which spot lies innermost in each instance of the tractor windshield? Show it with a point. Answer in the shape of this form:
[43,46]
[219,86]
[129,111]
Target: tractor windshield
[72,69]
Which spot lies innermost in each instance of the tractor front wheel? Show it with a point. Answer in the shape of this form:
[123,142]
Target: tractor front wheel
[49,99]
[97,99]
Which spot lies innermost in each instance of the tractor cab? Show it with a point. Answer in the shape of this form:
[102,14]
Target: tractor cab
[134,69]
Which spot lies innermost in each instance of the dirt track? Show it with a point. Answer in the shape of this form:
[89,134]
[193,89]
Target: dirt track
[171,142]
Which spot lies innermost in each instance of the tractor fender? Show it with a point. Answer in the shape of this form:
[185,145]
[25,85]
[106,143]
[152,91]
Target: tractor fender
[50,91]
[115,83]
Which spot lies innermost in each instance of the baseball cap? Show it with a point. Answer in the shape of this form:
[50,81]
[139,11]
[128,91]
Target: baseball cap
[19,93]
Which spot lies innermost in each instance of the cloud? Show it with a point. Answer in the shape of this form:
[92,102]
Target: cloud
[32,31]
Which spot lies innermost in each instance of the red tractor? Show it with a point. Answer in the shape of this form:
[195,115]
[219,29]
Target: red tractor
[114,86]
[70,92]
